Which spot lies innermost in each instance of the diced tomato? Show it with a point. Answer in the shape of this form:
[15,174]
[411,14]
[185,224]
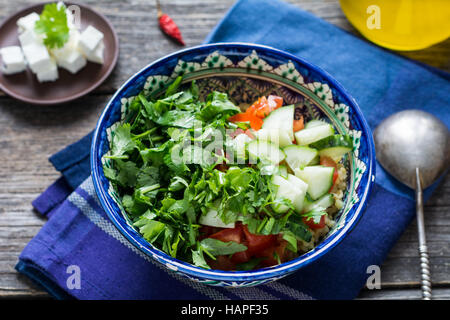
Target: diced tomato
[222,263]
[328,162]
[241,257]
[274,102]
[269,254]
[264,105]
[310,222]
[299,124]
[230,234]
[206,231]
[256,242]
[255,122]
[240,117]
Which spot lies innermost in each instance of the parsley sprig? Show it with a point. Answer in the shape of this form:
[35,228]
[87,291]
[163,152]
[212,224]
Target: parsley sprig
[53,24]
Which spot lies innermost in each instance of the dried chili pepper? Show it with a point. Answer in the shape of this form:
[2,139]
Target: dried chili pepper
[168,25]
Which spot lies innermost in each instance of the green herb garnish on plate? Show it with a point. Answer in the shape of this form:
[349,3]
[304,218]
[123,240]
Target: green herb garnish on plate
[53,24]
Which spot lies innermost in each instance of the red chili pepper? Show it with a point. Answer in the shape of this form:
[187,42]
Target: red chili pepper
[168,25]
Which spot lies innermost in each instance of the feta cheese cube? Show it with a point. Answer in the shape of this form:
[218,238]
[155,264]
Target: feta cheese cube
[49,74]
[38,57]
[68,57]
[71,60]
[28,37]
[13,60]
[90,38]
[97,55]
[27,22]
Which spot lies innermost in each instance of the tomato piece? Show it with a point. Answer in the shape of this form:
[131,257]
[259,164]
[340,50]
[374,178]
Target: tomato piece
[269,254]
[241,257]
[264,105]
[256,242]
[240,117]
[328,162]
[255,122]
[310,222]
[222,263]
[299,124]
[274,102]
[229,234]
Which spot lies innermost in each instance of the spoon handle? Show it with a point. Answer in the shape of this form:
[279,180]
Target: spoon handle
[423,249]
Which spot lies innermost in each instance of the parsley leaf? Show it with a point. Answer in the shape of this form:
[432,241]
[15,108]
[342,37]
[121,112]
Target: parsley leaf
[53,24]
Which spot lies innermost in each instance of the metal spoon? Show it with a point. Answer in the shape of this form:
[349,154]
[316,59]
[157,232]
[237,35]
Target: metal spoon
[414,147]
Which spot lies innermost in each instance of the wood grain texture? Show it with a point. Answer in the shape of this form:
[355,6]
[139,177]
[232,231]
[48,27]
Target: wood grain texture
[29,135]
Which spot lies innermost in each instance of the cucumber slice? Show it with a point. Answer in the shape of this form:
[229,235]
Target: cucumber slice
[318,178]
[281,118]
[240,142]
[299,156]
[315,161]
[277,136]
[212,219]
[323,202]
[283,171]
[314,123]
[301,187]
[265,151]
[334,146]
[307,136]
[285,190]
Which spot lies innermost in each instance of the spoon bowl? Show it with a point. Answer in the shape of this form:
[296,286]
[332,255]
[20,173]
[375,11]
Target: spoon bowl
[413,139]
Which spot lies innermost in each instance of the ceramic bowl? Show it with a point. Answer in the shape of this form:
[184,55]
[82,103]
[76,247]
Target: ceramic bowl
[245,72]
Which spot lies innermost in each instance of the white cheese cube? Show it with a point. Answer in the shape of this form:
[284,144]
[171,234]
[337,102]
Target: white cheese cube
[13,60]
[28,37]
[49,74]
[97,55]
[90,38]
[27,22]
[71,60]
[38,57]
[68,57]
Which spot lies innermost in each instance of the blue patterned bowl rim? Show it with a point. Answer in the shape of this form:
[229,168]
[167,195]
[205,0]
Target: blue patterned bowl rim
[219,275]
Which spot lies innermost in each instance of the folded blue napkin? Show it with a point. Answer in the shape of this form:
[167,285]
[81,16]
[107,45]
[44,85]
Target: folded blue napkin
[79,241]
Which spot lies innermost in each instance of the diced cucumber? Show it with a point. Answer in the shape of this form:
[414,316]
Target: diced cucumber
[277,136]
[265,151]
[318,178]
[299,156]
[281,118]
[286,190]
[334,146]
[283,171]
[323,202]
[314,123]
[240,143]
[315,161]
[212,219]
[307,136]
[301,187]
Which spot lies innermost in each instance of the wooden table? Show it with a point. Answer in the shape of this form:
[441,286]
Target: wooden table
[30,134]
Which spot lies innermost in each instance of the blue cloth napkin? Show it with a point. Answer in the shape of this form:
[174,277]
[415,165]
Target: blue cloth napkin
[78,232]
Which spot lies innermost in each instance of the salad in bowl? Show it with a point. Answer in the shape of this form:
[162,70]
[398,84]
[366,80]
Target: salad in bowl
[224,189]
[232,164]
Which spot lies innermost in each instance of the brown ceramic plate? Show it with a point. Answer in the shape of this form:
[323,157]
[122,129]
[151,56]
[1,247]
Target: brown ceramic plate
[25,86]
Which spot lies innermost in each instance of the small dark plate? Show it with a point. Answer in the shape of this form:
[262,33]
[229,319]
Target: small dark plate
[25,86]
